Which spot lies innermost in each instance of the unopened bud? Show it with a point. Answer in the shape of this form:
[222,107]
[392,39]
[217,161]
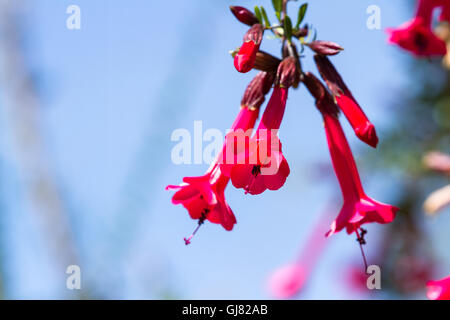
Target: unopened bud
[326,48]
[330,75]
[288,73]
[301,33]
[257,89]
[324,100]
[244,15]
[266,62]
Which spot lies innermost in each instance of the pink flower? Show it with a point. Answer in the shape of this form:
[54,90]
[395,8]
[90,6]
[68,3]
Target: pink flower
[204,196]
[358,208]
[416,35]
[289,280]
[244,60]
[439,290]
[363,128]
[356,279]
[261,165]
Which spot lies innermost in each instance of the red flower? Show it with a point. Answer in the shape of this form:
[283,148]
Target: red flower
[244,60]
[445,13]
[439,290]
[358,208]
[363,128]
[204,196]
[416,35]
[261,165]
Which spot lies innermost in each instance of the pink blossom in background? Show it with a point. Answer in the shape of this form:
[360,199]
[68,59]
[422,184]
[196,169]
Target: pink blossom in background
[416,35]
[288,280]
[439,289]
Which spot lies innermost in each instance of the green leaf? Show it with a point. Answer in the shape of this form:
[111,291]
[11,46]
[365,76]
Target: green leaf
[301,14]
[258,14]
[278,14]
[288,27]
[277,5]
[264,15]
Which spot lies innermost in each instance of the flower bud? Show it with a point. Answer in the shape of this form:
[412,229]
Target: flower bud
[255,93]
[326,48]
[324,101]
[266,62]
[288,73]
[244,15]
[301,33]
[363,128]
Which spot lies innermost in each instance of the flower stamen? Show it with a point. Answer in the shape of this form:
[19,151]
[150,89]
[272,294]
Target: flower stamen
[200,222]
[362,241]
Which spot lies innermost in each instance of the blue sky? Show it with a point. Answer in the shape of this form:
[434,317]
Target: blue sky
[111,95]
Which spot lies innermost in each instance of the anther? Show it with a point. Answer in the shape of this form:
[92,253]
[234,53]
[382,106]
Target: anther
[200,222]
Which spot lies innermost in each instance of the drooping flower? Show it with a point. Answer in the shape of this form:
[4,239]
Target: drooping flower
[261,165]
[416,35]
[363,128]
[358,208]
[204,196]
[439,198]
[439,290]
[437,161]
[244,60]
[288,280]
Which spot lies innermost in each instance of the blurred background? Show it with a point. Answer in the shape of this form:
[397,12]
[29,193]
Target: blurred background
[85,153]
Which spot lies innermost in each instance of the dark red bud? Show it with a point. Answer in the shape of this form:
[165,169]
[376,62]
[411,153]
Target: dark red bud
[288,73]
[324,100]
[257,89]
[244,15]
[329,73]
[326,48]
[266,62]
[301,33]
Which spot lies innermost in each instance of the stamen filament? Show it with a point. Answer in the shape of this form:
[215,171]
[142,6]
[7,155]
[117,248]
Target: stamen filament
[200,222]
[361,241]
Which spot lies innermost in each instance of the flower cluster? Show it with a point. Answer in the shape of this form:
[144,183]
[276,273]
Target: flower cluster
[417,35]
[253,159]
